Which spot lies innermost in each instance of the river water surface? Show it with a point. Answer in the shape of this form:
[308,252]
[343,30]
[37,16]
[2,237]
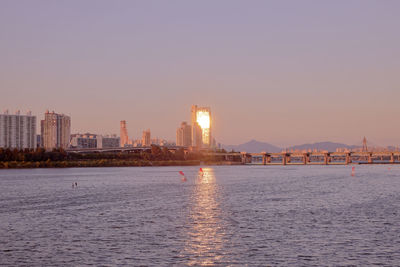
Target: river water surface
[229,216]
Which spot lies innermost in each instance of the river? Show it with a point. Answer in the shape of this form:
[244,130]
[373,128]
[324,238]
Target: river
[227,216]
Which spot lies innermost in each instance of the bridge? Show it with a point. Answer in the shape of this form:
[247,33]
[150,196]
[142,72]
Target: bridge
[320,158]
[264,158]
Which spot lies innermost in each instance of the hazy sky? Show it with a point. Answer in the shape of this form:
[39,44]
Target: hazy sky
[284,72]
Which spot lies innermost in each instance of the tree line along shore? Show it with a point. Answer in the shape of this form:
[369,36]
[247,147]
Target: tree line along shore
[59,158]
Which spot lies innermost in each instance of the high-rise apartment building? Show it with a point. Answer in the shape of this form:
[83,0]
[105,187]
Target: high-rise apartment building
[17,131]
[123,134]
[56,130]
[146,141]
[39,140]
[197,135]
[184,135]
[201,117]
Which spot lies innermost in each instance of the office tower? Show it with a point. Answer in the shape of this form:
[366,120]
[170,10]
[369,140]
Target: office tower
[17,131]
[146,138]
[184,135]
[56,130]
[201,117]
[123,134]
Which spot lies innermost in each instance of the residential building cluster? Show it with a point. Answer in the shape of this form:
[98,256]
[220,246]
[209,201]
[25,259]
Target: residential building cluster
[18,131]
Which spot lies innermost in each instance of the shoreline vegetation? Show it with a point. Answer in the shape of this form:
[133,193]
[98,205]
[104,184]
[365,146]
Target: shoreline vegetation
[59,158]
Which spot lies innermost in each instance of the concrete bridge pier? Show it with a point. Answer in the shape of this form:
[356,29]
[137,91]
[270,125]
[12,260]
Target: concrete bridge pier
[326,158]
[284,159]
[370,161]
[264,158]
[268,158]
[391,157]
[306,158]
[243,155]
[348,158]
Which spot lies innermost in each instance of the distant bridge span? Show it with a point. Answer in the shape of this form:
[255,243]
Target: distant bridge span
[264,158]
[321,158]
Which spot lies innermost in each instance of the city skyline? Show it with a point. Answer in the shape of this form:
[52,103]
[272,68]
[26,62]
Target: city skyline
[284,73]
[180,135]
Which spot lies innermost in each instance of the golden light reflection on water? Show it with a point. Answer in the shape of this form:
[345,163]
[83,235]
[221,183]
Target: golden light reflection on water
[205,234]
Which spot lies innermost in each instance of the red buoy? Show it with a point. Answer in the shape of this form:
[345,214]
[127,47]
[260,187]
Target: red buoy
[183,178]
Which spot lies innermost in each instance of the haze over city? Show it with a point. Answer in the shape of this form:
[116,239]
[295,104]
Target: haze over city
[281,72]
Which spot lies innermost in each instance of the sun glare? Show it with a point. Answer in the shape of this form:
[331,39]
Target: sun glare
[203,119]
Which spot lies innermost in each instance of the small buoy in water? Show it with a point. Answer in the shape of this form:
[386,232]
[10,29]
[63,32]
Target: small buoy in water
[201,173]
[183,178]
[353,170]
[76,184]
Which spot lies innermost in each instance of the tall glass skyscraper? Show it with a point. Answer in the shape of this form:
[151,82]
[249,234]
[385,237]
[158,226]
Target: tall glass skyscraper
[201,125]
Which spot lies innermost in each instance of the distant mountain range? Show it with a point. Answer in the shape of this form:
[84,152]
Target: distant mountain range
[254,146]
[329,146]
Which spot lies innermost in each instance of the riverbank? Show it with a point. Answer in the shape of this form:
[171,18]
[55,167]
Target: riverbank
[107,163]
[154,156]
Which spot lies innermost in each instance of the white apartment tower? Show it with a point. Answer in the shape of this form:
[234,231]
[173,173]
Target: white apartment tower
[17,131]
[56,130]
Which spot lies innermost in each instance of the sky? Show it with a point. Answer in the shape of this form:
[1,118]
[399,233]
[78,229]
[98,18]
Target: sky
[283,72]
